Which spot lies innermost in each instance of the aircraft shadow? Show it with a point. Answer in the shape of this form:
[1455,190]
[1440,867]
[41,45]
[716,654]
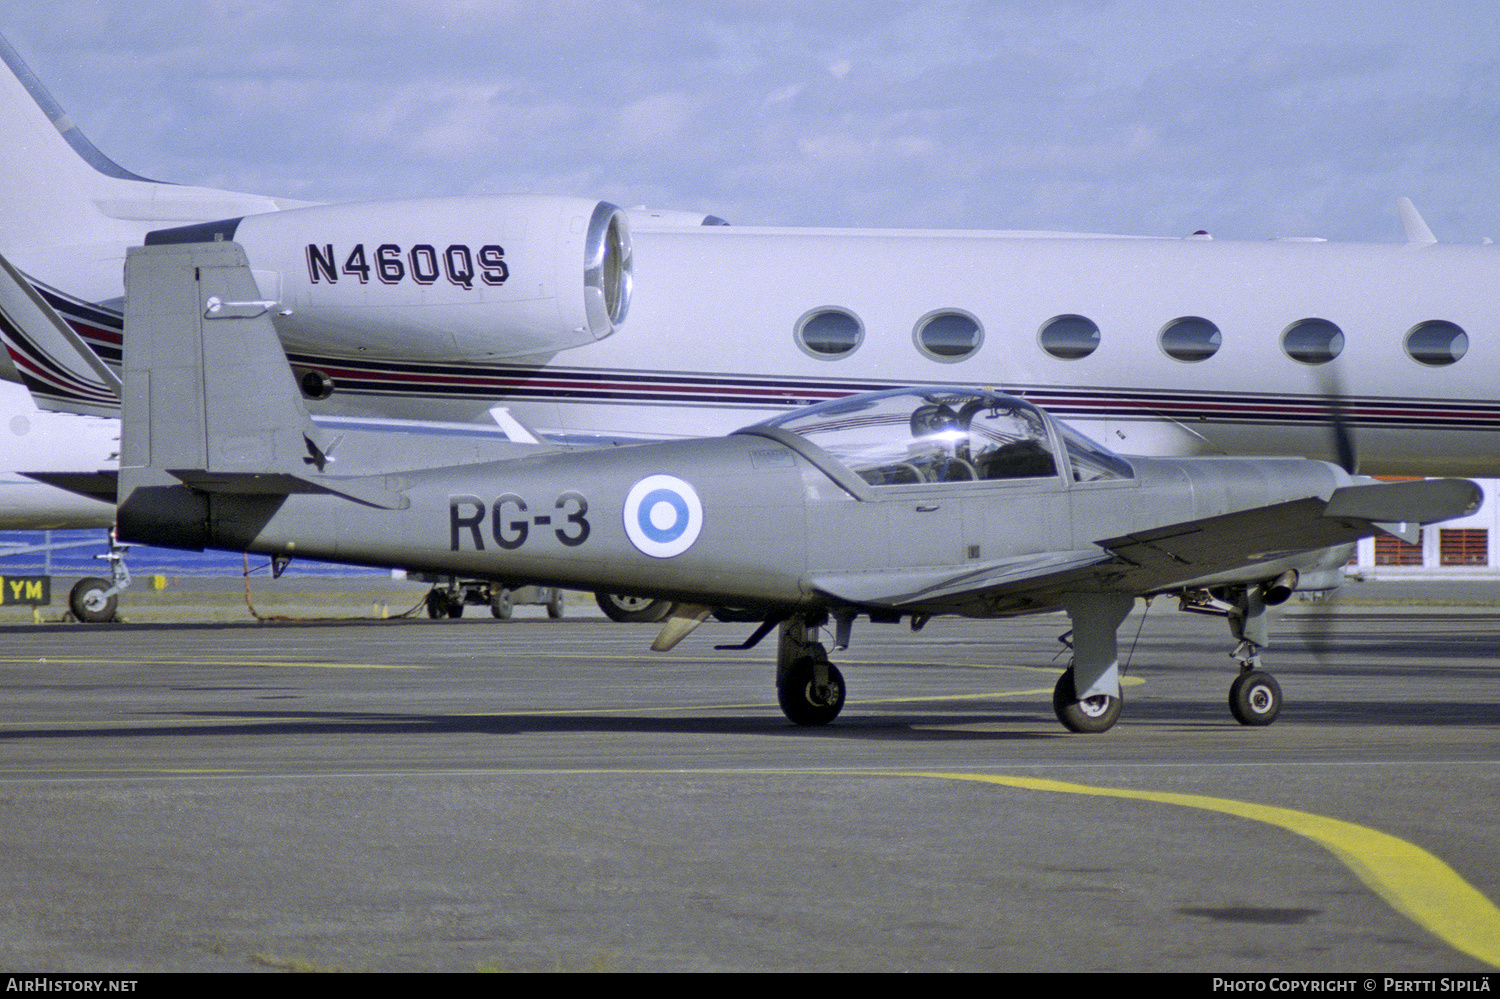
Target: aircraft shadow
[253,725]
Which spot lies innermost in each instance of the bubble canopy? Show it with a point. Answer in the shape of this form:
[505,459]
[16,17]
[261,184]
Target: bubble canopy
[913,436]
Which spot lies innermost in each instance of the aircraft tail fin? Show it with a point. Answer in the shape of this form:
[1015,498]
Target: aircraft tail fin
[210,405]
[67,210]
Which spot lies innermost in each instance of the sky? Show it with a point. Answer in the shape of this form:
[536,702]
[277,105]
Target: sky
[1246,119]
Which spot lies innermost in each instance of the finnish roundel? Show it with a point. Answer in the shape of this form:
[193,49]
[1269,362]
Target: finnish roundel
[663,516]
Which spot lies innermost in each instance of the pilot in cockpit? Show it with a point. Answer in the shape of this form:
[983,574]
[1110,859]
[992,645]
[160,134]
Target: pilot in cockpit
[939,447]
[1007,443]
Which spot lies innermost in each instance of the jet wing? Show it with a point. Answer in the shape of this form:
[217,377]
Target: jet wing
[1162,558]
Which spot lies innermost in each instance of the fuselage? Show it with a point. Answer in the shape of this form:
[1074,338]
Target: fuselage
[1157,346]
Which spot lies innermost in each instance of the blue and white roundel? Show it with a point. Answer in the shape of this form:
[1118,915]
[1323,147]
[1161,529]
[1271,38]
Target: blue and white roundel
[663,516]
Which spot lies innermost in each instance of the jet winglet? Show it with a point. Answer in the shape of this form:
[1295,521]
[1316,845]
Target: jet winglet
[1417,232]
[58,368]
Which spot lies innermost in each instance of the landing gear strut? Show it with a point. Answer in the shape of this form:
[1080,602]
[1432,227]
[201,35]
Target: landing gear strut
[94,600]
[1255,696]
[1096,667]
[809,688]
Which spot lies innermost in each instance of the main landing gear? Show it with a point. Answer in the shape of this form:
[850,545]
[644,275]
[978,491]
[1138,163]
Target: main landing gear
[1087,696]
[1097,713]
[809,688]
[95,600]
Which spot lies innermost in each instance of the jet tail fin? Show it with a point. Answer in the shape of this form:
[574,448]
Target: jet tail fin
[209,403]
[67,211]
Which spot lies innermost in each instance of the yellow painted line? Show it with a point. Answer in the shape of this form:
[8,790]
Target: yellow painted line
[120,770]
[58,661]
[1414,882]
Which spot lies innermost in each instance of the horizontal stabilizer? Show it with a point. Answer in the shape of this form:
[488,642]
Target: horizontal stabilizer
[369,491]
[95,485]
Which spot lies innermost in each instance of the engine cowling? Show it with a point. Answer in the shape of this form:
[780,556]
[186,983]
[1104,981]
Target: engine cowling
[438,279]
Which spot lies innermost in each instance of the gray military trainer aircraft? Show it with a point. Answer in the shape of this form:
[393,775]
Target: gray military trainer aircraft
[898,505]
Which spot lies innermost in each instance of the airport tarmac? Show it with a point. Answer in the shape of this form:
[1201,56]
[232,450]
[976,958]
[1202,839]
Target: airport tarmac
[535,795]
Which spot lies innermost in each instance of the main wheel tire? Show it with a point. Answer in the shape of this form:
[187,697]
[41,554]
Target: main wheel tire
[801,699]
[1095,714]
[502,603]
[437,604]
[1255,698]
[555,605]
[632,610]
[456,605]
[88,602]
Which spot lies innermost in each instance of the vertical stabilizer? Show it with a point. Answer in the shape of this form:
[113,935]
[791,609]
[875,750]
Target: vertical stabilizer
[208,399]
[67,211]
[209,405]
[202,359]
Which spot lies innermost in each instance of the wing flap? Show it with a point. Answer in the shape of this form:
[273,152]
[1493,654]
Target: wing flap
[918,586]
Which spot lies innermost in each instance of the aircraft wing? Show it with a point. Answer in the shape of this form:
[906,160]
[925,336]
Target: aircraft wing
[1189,553]
[1284,530]
[912,587]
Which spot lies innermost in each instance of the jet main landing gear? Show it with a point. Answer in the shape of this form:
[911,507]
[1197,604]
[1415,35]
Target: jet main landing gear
[94,600]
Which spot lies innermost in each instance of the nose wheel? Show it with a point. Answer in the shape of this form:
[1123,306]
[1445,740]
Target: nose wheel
[1255,698]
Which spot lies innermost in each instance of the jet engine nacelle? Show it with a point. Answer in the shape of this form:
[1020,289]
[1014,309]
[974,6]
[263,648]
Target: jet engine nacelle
[438,279]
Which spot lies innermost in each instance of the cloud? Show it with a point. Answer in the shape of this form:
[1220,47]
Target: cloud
[1113,115]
